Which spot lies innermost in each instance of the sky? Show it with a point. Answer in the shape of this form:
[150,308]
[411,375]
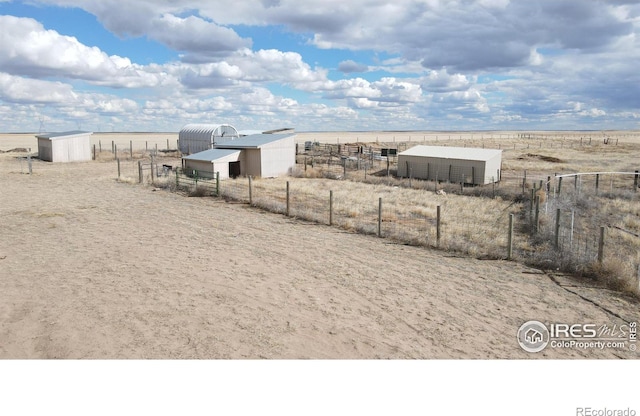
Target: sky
[319,65]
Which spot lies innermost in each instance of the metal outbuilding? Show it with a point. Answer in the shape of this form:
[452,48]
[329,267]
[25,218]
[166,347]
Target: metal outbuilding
[466,165]
[69,146]
[194,138]
[257,155]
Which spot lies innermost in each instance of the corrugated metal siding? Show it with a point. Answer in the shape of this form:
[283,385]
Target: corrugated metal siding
[194,138]
[278,157]
[44,150]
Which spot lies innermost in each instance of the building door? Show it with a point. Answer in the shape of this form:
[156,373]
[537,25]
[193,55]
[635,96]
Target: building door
[234,169]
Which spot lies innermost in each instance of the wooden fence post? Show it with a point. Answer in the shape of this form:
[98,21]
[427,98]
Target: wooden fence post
[113,146]
[537,219]
[140,171]
[559,185]
[131,148]
[250,190]
[557,232]
[601,246]
[151,170]
[115,151]
[118,160]
[438,233]
[29,163]
[380,217]
[330,207]
[635,181]
[510,238]
[597,182]
[218,183]
[100,145]
[287,213]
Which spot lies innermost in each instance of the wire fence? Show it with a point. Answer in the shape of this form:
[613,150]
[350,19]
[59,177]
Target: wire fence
[528,217]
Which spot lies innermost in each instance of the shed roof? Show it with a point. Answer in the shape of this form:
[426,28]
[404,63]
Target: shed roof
[254,141]
[63,134]
[211,154]
[444,152]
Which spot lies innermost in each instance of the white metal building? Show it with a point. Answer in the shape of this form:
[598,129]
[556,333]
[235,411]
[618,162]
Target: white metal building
[225,161]
[257,155]
[69,146]
[194,138]
[452,164]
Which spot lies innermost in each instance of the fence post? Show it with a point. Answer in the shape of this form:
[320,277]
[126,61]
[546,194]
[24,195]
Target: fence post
[131,148]
[559,185]
[380,217]
[100,145]
[167,144]
[438,233]
[635,181]
[118,160]
[250,191]
[94,152]
[177,180]
[601,246]
[218,183]
[330,207]
[139,171]
[510,238]
[113,146]
[537,219]
[29,163]
[115,151]
[597,182]
[557,236]
[152,171]
[288,199]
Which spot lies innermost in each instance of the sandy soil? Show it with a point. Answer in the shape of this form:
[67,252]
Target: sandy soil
[94,268]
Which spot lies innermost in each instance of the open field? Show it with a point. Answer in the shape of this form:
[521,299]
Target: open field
[94,268]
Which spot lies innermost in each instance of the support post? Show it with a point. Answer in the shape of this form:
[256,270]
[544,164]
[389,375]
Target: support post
[94,152]
[537,219]
[438,223]
[330,207]
[597,182]
[250,189]
[288,199]
[559,185]
[118,160]
[115,151]
[131,148]
[29,163]
[601,246]
[380,217]
[218,183]
[139,171]
[557,232]
[510,238]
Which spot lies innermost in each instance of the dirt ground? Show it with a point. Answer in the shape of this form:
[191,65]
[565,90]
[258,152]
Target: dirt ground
[94,268]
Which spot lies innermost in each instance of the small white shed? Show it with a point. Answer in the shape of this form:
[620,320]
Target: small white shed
[69,146]
[207,163]
[194,138]
[466,165]
[258,155]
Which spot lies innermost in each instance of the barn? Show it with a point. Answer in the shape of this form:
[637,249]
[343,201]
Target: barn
[257,155]
[194,138]
[69,146]
[466,165]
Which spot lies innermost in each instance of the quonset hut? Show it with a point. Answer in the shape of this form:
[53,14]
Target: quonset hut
[194,138]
